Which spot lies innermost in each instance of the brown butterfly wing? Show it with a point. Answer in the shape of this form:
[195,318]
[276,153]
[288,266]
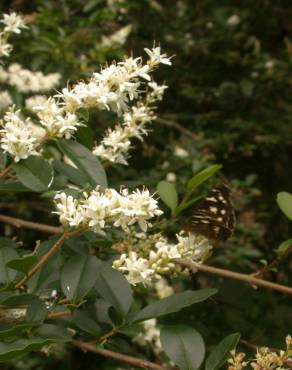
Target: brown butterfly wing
[215,218]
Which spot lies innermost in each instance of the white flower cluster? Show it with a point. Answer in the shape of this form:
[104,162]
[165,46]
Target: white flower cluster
[114,86]
[116,143]
[150,335]
[18,137]
[145,267]
[98,210]
[5,100]
[13,23]
[163,289]
[27,81]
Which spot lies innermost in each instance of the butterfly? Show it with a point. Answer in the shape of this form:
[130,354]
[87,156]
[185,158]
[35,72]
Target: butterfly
[215,217]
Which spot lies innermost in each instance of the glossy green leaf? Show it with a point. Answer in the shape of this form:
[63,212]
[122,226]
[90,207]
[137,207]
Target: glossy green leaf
[13,187]
[203,176]
[85,161]
[183,345]
[9,299]
[181,207]
[167,193]
[220,354]
[72,174]
[78,276]
[8,330]
[84,322]
[36,311]
[52,331]
[114,288]
[7,253]
[174,303]
[284,201]
[23,264]
[35,173]
[283,247]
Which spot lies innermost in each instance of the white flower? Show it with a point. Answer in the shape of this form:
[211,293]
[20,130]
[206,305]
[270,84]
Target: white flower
[151,335]
[5,47]
[180,152]
[70,211]
[163,289]
[233,20]
[158,90]
[171,177]
[19,138]
[13,23]
[136,269]
[5,99]
[34,101]
[156,57]
[117,38]
[270,64]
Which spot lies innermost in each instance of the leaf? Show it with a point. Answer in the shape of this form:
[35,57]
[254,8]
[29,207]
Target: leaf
[3,159]
[78,276]
[36,311]
[7,330]
[85,161]
[72,174]
[7,253]
[220,354]
[284,201]
[168,194]
[35,173]
[84,322]
[16,299]
[114,288]
[174,303]
[283,247]
[53,331]
[13,187]
[202,176]
[181,207]
[23,264]
[183,345]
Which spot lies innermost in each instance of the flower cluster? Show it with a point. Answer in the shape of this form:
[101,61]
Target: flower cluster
[13,23]
[265,358]
[27,81]
[18,137]
[100,209]
[150,335]
[152,256]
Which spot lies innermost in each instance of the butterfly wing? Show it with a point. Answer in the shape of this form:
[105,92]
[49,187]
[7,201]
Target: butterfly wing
[215,218]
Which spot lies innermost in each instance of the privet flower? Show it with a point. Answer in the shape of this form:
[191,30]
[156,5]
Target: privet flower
[100,209]
[27,81]
[150,335]
[5,99]
[163,289]
[18,137]
[13,23]
[155,254]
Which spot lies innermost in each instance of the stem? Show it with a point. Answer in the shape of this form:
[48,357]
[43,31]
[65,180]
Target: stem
[144,364]
[56,315]
[5,171]
[47,256]
[17,222]
[233,275]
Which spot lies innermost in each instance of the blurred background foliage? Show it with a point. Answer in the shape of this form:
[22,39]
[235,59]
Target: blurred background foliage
[229,101]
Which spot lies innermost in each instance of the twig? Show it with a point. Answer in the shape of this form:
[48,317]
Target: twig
[273,264]
[5,171]
[233,275]
[18,222]
[177,126]
[47,256]
[144,364]
[56,315]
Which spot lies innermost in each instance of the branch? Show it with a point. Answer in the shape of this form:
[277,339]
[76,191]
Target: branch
[233,275]
[144,364]
[17,222]
[46,256]
[5,171]
[177,126]
[56,315]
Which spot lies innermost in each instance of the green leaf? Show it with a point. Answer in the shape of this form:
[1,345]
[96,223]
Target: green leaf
[174,303]
[9,299]
[7,253]
[284,201]
[72,174]
[46,334]
[78,276]
[23,264]
[36,311]
[283,247]
[8,330]
[183,345]
[84,322]
[167,193]
[181,207]
[202,176]
[220,354]
[3,159]
[85,161]
[13,187]
[35,173]
[114,288]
